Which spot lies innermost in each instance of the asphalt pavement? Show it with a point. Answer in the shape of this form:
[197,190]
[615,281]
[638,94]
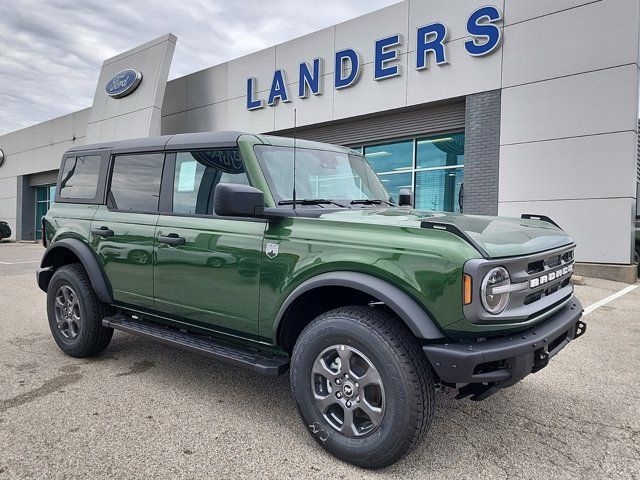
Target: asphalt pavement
[144,410]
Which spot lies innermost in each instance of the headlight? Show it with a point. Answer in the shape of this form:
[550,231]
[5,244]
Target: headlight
[493,294]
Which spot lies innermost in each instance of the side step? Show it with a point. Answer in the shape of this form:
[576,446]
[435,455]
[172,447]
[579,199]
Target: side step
[259,362]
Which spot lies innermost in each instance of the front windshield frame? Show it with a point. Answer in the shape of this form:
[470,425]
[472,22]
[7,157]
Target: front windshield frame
[376,188]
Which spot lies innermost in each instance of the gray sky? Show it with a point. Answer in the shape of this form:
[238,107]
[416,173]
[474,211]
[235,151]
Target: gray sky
[51,51]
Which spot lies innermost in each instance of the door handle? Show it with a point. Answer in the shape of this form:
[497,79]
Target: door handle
[102,232]
[172,239]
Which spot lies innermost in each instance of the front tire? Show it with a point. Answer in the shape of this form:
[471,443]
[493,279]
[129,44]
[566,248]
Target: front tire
[362,385]
[75,313]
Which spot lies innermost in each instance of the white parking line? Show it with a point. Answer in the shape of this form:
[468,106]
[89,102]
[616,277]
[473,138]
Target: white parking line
[610,298]
[19,263]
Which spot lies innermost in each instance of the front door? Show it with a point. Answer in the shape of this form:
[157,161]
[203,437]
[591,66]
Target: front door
[122,232]
[207,267]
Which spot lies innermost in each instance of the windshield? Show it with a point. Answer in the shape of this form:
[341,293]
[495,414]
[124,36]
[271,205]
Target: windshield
[320,174]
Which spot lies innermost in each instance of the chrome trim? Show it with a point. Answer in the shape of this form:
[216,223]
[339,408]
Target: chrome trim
[513,287]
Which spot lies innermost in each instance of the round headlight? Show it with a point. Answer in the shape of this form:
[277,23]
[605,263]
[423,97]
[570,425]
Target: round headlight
[494,298]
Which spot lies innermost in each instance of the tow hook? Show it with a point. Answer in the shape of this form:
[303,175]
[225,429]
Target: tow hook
[581,327]
[540,360]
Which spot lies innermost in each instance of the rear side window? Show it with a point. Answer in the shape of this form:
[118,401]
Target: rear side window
[135,182]
[197,174]
[79,178]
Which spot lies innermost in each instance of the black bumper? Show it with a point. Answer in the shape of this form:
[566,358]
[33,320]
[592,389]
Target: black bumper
[43,277]
[506,360]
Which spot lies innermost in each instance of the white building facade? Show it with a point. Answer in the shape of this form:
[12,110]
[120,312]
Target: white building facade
[504,107]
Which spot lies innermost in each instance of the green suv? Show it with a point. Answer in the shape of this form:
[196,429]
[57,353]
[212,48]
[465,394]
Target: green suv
[205,241]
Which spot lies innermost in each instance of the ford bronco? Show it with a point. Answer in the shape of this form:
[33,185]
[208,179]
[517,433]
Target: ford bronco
[281,255]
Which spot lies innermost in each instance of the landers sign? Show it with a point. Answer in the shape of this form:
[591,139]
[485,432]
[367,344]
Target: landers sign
[486,37]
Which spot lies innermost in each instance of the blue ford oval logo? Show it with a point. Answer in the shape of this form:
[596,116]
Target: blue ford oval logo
[123,83]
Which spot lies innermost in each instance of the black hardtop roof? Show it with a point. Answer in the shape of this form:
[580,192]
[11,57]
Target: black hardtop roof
[166,142]
[201,140]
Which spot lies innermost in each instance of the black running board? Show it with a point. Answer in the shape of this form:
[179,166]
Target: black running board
[255,360]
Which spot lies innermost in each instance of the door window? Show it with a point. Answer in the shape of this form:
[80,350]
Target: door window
[197,174]
[135,182]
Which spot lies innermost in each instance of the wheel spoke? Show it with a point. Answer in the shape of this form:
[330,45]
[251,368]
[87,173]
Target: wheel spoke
[76,314]
[348,427]
[374,413]
[320,368]
[60,301]
[323,403]
[345,358]
[65,294]
[371,377]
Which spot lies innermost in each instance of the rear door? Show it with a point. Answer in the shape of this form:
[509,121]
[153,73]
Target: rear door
[122,231]
[207,267]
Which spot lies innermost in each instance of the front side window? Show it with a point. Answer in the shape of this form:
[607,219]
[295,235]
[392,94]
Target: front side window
[135,182]
[320,174]
[80,177]
[197,174]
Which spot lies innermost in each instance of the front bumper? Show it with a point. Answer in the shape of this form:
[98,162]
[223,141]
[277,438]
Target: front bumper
[501,362]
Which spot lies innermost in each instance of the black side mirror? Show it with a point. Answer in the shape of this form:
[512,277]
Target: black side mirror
[405,197]
[236,200]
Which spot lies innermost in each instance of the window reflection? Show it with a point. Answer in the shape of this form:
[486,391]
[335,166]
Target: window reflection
[390,157]
[432,166]
[440,151]
[135,183]
[396,181]
[438,189]
[198,173]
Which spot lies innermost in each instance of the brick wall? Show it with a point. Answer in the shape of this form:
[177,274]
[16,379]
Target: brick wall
[482,153]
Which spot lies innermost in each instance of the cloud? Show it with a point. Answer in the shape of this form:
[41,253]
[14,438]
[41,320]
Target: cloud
[51,52]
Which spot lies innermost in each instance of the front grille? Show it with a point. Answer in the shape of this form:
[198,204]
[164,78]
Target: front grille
[547,267]
[542,284]
[553,261]
[535,267]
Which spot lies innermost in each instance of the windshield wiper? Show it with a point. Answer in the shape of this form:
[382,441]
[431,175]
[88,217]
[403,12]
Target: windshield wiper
[367,201]
[311,201]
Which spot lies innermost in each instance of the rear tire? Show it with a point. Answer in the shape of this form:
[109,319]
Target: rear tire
[373,426]
[75,313]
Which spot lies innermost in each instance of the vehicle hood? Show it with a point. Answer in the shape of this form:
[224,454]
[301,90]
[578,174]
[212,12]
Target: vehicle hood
[497,236]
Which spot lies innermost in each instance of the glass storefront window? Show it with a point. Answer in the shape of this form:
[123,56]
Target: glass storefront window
[432,166]
[394,182]
[440,151]
[438,190]
[44,199]
[390,157]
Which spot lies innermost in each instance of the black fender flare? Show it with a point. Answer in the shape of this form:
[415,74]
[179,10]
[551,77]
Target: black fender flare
[411,313]
[88,260]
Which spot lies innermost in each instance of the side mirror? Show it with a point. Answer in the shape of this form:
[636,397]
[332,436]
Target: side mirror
[236,200]
[405,198]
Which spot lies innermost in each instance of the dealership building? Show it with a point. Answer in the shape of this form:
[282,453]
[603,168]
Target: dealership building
[502,107]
